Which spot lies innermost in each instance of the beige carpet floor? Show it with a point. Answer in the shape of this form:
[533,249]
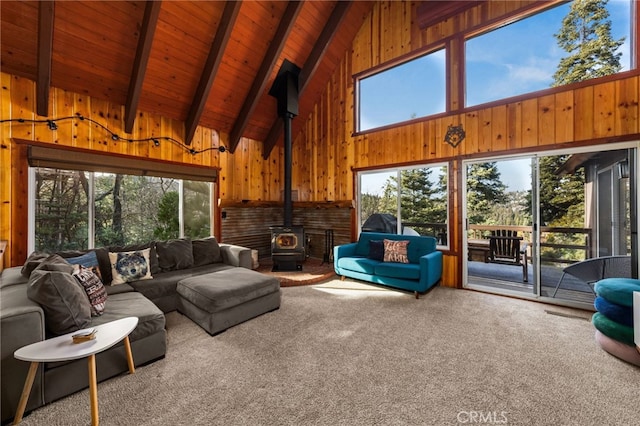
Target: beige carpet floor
[346,353]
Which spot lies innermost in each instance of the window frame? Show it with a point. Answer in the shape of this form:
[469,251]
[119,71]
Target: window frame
[398,170]
[31,202]
[387,66]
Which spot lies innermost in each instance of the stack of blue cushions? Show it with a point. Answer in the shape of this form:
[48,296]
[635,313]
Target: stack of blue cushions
[614,317]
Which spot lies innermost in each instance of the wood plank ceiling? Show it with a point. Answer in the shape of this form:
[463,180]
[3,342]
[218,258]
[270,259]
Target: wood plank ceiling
[208,63]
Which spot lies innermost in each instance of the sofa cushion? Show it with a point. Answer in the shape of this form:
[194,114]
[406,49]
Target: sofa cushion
[175,254]
[206,251]
[395,251]
[133,304]
[63,300]
[93,287]
[222,290]
[164,283]
[410,271]
[376,250]
[130,266]
[358,264]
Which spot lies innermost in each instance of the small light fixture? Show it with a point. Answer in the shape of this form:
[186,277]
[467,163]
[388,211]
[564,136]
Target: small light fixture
[52,125]
[222,148]
[115,137]
[156,142]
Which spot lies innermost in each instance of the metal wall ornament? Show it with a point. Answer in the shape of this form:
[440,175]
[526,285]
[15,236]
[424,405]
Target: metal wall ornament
[454,135]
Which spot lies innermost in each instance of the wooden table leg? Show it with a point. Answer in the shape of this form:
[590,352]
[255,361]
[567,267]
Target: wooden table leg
[26,390]
[127,347]
[93,391]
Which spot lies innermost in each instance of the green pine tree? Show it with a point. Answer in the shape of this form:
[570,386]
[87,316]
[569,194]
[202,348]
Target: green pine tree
[421,201]
[485,190]
[586,36]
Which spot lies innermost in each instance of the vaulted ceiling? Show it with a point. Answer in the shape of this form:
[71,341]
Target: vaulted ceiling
[208,63]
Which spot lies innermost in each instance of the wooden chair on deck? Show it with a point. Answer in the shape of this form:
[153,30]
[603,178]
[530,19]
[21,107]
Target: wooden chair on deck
[506,248]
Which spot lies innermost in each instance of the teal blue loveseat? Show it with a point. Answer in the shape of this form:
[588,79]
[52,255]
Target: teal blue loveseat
[424,270]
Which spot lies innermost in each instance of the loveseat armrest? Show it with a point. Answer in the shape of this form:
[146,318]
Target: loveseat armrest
[344,250]
[430,269]
[236,255]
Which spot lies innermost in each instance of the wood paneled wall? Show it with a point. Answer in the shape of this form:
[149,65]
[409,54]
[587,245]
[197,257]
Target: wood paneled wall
[326,153]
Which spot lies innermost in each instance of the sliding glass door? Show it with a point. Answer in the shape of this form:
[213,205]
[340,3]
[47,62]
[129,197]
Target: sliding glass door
[544,226]
[499,236]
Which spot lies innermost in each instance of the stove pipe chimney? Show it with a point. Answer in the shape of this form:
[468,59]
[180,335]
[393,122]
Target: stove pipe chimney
[285,90]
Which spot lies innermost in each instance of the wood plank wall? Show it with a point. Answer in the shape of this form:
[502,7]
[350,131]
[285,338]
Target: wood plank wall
[326,153]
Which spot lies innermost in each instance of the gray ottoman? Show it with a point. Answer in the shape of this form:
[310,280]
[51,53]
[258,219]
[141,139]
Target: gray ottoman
[222,299]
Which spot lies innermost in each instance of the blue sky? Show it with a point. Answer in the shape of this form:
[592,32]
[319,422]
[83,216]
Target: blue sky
[516,59]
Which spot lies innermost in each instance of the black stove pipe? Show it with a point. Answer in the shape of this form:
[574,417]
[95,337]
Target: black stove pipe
[288,202]
[285,90]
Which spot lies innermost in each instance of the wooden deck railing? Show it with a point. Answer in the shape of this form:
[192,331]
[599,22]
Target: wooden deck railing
[479,232]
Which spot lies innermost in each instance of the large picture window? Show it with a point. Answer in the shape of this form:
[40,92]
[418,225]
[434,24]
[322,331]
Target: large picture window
[410,90]
[410,201]
[572,42]
[79,210]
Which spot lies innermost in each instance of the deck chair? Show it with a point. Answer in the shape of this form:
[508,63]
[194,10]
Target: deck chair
[506,248]
[592,270]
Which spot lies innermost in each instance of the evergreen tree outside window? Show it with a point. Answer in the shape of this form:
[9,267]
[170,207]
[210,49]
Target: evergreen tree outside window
[417,197]
[588,38]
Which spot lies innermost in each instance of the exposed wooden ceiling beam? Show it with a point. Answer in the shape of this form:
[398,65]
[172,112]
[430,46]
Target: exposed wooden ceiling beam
[310,67]
[149,21]
[45,46]
[435,11]
[229,15]
[262,77]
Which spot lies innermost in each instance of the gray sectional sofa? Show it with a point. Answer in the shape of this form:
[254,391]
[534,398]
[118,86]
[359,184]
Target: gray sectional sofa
[214,302]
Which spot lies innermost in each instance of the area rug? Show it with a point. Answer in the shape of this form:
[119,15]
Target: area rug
[347,353]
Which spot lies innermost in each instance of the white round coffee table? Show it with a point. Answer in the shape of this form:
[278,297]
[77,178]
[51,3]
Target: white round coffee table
[62,348]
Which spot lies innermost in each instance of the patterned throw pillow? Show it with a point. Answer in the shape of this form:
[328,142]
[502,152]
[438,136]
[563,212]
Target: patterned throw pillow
[130,266]
[88,260]
[376,250]
[94,288]
[396,251]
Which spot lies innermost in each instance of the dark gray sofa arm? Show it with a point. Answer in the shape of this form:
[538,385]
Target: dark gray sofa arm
[22,323]
[236,255]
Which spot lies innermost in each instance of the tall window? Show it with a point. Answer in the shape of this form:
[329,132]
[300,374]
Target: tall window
[413,89]
[405,201]
[80,210]
[548,49]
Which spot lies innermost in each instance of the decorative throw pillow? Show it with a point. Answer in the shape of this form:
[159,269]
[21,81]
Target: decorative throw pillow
[88,260]
[65,304]
[130,266]
[32,262]
[105,262]
[376,250]
[206,251]
[175,254]
[396,251]
[94,288]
